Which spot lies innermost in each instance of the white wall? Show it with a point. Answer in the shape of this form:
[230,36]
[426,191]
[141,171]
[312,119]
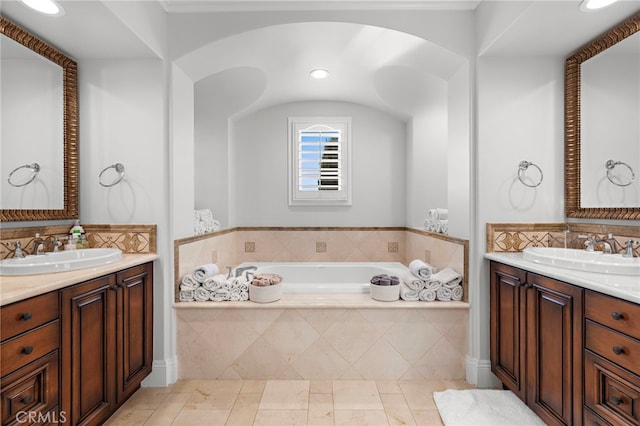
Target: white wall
[260,169]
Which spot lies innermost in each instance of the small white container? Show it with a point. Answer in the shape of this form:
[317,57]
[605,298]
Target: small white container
[385,293]
[265,294]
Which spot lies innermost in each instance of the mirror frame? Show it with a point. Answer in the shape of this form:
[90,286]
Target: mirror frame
[70,148]
[572,125]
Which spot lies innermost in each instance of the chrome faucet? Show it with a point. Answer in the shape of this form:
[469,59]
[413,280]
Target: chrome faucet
[589,242]
[628,251]
[56,244]
[240,271]
[18,253]
[38,243]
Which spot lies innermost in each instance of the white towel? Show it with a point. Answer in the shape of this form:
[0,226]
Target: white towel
[427,295]
[211,283]
[444,294]
[456,293]
[421,269]
[447,277]
[202,272]
[438,214]
[201,295]
[432,285]
[411,281]
[220,295]
[407,293]
[187,296]
[188,283]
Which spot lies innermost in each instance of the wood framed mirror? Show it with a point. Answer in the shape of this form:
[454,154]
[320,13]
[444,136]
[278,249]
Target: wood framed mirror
[22,205]
[577,169]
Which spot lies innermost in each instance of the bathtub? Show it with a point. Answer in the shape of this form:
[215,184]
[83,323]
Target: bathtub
[326,277]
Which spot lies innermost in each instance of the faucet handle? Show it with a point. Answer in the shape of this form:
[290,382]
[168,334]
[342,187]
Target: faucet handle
[589,241]
[628,251]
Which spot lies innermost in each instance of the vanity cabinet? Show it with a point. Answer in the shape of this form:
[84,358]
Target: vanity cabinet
[107,341]
[536,342]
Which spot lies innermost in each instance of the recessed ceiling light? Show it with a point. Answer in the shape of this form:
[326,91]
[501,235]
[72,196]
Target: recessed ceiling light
[319,74]
[48,7]
[590,5]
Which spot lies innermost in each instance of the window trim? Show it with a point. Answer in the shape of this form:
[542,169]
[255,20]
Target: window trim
[319,198]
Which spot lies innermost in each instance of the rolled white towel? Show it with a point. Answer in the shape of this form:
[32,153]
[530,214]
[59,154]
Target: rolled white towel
[443,226]
[407,293]
[443,294]
[437,214]
[244,296]
[456,293]
[187,296]
[201,294]
[188,282]
[211,283]
[420,269]
[427,295]
[411,281]
[202,272]
[432,285]
[448,277]
[220,295]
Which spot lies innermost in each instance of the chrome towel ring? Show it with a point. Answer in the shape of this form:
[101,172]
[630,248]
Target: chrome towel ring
[35,169]
[610,165]
[522,167]
[119,168]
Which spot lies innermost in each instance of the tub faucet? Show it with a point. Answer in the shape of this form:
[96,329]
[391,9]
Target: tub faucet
[239,271]
[628,251]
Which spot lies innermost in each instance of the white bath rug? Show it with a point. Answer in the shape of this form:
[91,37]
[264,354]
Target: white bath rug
[478,407]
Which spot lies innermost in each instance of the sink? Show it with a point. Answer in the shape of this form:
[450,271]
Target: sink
[62,261]
[583,260]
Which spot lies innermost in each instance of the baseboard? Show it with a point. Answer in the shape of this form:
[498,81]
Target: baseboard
[479,374]
[163,374]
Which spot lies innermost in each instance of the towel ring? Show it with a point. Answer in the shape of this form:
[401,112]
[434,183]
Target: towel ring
[522,167]
[35,169]
[610,165]
[118,167]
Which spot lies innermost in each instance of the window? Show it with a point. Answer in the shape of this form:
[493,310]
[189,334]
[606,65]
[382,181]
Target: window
[319,161]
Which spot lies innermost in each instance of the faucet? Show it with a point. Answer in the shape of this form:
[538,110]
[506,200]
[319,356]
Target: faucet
[56,244]
[239,271]
[18,253]
[39,245]
[589,242]
[628,251]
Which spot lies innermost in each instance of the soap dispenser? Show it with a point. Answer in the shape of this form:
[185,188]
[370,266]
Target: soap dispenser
[76,234]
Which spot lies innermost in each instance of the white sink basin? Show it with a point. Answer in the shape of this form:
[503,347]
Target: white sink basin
[583,260]
[62,261]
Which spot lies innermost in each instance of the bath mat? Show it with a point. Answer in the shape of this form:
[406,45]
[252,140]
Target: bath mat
[477,407]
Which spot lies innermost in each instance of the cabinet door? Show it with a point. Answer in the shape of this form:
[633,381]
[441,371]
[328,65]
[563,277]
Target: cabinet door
[135,328]
[508,323]
[88,351]
[554,350]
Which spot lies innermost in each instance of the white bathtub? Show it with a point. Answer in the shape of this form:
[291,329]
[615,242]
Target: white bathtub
[327,277]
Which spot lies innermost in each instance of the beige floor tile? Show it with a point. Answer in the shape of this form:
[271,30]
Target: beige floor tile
[388,386]
[419,394]
[285,395]
[130,417]
[320,386]
[244,410]
[320,409]
[200,417]
[356,395]
[280,418]
[214,395]
[165,415]
[427,418]
[361,418]
[253,386]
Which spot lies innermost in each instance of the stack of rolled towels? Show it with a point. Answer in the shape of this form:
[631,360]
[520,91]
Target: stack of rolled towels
[437,221]
[205,283]
[203,222]
[423,282]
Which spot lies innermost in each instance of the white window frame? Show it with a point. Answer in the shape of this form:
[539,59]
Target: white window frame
[340,197]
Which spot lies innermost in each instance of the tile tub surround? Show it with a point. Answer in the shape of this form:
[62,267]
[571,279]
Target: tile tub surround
[323,343]
[397,244]
[132,239]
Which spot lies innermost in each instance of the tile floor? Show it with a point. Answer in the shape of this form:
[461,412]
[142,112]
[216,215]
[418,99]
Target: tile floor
[286,402]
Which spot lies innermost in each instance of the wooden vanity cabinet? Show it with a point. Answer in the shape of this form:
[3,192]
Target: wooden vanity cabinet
[536,342]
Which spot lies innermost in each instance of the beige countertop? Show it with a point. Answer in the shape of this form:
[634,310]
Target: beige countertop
[16,288]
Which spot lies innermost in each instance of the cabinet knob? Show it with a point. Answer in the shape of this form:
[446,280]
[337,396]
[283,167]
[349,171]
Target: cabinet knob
[615,400]
[26,399]
[26,316]
[617,316]
[27,350]
[617,350]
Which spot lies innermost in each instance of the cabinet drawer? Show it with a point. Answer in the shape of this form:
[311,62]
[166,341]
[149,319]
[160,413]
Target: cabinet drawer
[615,313]
[32,389]
[20,351]
[21,316]
[616,347]
[610,391]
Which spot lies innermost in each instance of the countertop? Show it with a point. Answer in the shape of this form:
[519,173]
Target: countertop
[622,286]
[16,288]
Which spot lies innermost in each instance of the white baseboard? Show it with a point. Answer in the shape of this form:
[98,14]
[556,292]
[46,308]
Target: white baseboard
[163,373]
[479,374]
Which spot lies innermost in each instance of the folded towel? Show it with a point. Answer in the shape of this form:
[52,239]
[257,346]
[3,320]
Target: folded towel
[427,295]
[456,293]
[220,295]
[447,277]
[432,285]
[202,272]
[407,293]
[421,269]
[438,214]
[201,294]
[187,296]
[188,282]
[443,294]
[385,279]
[442,226]
[213,283]
[244,296]
[412,281]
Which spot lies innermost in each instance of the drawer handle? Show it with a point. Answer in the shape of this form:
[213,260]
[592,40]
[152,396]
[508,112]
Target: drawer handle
[26,316]
[26,399]
[27,350]
[615,400]
[617,316]
[617,350]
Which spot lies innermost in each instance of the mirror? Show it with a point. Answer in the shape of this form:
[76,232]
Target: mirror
[602,138]
[39,139]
